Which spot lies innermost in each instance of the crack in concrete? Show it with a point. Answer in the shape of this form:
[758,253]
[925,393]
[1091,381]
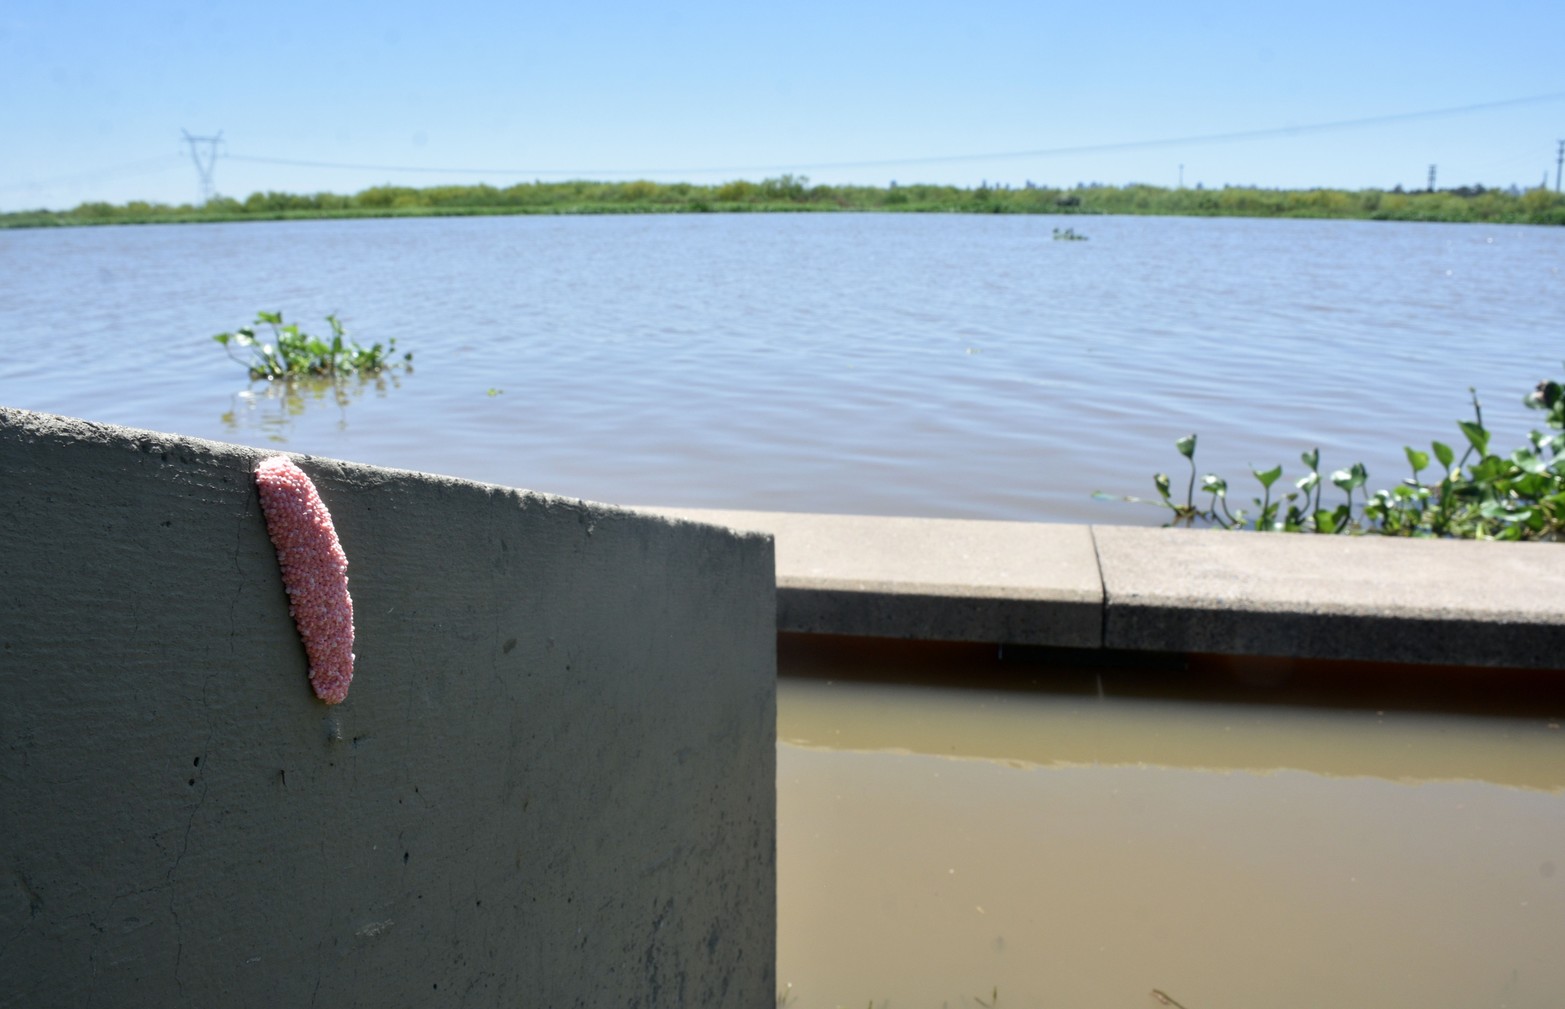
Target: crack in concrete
[179,931]
[6,946]
[92,974]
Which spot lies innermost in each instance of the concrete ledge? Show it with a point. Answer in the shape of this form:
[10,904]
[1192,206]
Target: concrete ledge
[935,579]
[1333,597]
[552,783]
[1167,590]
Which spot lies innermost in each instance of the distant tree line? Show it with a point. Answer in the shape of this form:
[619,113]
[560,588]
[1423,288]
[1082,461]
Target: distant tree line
[789,193]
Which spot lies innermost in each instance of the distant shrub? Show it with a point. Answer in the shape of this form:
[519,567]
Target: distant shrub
[639,191]
[784,187]
[737,191]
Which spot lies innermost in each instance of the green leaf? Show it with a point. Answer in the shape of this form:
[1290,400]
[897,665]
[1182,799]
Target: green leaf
[1476,435]
[1527,462]
[1161,480]
[1534,485]
[1213,484]
[1269,477]
[1311,458]
[1344,479]
[1490,468]
[1443,453]
[1186,446]
[1324,522]
[1418,460]
[1308,482]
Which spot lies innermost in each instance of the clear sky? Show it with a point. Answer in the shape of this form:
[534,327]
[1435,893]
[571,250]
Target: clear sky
[94,94]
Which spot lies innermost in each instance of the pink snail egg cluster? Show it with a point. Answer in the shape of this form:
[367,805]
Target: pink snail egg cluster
[315,573]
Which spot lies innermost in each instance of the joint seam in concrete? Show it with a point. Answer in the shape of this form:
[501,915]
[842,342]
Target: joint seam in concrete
[1103,589]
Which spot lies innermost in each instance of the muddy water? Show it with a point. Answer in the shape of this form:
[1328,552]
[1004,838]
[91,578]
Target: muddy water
[1066,848]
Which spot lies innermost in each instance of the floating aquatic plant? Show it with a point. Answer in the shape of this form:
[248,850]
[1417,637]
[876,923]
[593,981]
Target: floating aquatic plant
[292,352]
[1482,495]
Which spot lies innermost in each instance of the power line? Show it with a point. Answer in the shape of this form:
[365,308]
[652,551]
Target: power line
[1045,152]
[143,167]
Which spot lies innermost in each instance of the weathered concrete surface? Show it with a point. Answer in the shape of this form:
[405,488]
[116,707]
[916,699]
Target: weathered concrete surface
[1334,597]
[551,785]
[1166,590]
[936,579]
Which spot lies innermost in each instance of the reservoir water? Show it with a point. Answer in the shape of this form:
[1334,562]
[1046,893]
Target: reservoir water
[955,829]
[932,365]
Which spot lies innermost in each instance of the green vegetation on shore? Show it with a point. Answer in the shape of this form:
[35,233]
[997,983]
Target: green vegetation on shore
[1482,495]
[790,193]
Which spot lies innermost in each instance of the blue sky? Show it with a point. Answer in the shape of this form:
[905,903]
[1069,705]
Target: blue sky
[94,95]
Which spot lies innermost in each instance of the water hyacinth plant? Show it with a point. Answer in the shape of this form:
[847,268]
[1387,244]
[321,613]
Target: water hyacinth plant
[292,352]
[1482,495]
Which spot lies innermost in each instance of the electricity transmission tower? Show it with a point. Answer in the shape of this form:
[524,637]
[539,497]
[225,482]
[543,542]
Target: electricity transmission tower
[203,152]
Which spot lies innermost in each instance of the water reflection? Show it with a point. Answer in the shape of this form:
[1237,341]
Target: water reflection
[272,408]
[937,843]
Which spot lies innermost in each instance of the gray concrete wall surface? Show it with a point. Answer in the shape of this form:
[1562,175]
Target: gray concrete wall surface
[552,782]
[1367,598]
[935,579]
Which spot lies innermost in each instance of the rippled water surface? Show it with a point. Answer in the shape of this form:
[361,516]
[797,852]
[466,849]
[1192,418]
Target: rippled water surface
[923,365]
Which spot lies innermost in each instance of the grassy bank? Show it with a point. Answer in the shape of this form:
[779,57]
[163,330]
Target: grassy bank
[794,194]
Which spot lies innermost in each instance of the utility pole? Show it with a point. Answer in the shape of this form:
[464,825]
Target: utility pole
[1559,161]
[203,152]
[1431,178]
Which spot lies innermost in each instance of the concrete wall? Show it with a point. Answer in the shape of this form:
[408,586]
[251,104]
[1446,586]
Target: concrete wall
[1362,598]
[551,785]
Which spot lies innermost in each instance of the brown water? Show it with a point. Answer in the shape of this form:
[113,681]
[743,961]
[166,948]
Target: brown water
[938,844]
